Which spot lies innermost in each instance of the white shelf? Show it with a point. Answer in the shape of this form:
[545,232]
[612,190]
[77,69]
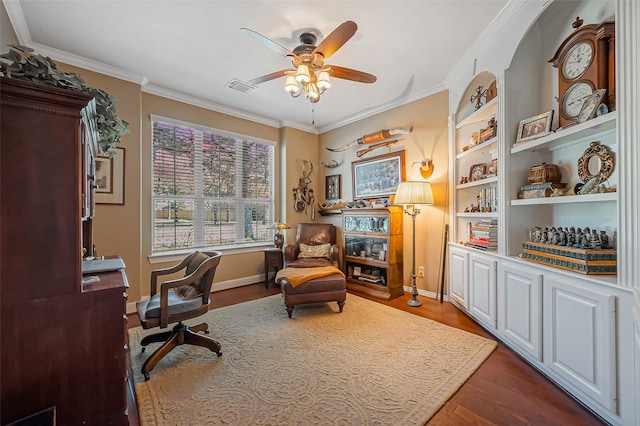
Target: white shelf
[487,111]
[490,144]
[571,136]
[480,182]
[568,199]
[477,215]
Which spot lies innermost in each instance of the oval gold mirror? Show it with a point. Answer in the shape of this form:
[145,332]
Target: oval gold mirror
[596,161]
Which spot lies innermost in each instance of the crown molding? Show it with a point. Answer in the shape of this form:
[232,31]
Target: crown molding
[295,125]
[202,103]
[366,113]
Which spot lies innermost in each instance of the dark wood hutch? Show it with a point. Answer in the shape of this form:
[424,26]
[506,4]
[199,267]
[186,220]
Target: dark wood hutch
[62,341]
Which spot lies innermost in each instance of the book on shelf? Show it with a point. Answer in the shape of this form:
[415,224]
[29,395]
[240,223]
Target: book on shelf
[478,246]
[483,242]
[543,185]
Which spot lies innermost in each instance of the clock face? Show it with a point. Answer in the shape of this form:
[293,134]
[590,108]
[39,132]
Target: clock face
[578,60]
[574,99]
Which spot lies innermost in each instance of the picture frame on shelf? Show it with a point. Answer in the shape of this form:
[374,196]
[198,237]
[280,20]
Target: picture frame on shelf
[477,172]
[110,178]
[590,106]
[378,177]
[333,187]
[535,127]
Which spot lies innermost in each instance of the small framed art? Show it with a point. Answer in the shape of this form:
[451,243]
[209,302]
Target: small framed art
[477,171]
[590,106]
[535,127]
[110,178]
[332,185]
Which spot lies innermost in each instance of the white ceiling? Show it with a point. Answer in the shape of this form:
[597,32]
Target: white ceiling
[191,50]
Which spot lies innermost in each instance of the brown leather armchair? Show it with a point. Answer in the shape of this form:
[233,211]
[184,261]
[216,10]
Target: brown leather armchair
[330,288]
[312,234]
[179,300]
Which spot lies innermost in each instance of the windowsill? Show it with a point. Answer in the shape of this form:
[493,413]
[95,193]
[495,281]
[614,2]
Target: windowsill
[177,255]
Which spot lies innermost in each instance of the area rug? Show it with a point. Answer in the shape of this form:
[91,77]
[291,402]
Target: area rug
[369,365]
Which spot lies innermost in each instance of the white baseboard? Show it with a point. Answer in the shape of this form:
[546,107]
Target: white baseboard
[429,294]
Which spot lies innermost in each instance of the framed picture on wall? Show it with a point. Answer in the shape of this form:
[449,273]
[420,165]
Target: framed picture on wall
[110,178]
[377,177]
[332,185]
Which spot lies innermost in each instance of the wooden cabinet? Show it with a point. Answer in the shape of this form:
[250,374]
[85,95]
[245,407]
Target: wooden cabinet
[580,336]
[62,342]
[482,294]
[459,275]
[373,251]
[520,307]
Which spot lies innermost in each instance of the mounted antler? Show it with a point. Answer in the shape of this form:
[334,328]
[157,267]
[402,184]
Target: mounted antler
[303,195]
[306,174]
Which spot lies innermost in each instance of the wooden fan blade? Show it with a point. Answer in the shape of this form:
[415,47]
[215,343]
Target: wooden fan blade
[349,74]
[268,42]
[268,77]
[336,39]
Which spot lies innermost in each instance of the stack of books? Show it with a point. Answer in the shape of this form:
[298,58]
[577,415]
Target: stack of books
[484,235]
[539,190]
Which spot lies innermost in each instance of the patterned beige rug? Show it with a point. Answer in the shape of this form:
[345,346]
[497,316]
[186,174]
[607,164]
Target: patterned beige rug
[370,365]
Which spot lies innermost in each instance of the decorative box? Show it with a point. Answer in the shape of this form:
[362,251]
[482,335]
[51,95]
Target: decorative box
[582,261]
[544,173]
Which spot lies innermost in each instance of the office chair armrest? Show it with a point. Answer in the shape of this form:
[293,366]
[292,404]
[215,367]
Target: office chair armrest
[165,271]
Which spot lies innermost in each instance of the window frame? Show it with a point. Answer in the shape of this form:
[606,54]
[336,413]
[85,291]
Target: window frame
[198,197]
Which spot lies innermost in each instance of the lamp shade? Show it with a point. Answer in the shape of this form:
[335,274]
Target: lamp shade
[414,193]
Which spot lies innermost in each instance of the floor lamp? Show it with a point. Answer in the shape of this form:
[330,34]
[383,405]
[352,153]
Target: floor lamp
[411,195]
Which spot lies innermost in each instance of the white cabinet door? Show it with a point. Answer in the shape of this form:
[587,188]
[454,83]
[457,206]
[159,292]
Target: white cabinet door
[579,336]
[520,306]
[458,275]
[482,288]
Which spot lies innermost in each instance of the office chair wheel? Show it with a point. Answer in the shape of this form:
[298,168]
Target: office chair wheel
[146,377]
[219,353]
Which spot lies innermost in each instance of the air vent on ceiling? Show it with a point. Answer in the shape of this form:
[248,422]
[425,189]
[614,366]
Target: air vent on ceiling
[240,86]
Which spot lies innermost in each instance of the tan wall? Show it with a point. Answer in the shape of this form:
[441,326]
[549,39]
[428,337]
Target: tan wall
[126,229]
[429,140]
[297,147]
[7,35]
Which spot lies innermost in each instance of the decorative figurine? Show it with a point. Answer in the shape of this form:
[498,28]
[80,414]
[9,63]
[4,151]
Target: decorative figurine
[477,97]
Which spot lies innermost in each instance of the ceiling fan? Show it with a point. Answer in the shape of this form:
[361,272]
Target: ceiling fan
[310,75]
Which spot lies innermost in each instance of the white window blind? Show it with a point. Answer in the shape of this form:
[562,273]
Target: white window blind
[211,189]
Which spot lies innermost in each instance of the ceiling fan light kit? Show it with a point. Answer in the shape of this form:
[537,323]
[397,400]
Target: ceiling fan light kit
[309,74]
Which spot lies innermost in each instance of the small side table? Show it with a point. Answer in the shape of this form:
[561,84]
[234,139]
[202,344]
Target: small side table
[272,259]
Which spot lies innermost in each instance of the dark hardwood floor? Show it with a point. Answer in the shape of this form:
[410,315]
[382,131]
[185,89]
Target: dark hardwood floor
[505,390]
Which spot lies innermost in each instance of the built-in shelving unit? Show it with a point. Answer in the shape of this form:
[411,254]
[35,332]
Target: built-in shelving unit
[571,322]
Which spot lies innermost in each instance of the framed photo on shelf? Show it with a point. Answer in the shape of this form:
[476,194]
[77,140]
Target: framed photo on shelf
[590,106]
[332,187]
[377,177]
[110,178]
[535,127]
[477,172]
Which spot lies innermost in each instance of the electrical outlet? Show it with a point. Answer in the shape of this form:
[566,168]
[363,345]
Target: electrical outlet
[421,271]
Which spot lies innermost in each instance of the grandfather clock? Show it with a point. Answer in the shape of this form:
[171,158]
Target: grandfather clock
[585,62]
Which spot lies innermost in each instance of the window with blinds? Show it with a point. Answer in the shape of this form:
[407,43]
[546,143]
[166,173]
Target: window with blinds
[210,188]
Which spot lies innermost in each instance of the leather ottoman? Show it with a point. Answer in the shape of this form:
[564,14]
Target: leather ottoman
[332,288]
